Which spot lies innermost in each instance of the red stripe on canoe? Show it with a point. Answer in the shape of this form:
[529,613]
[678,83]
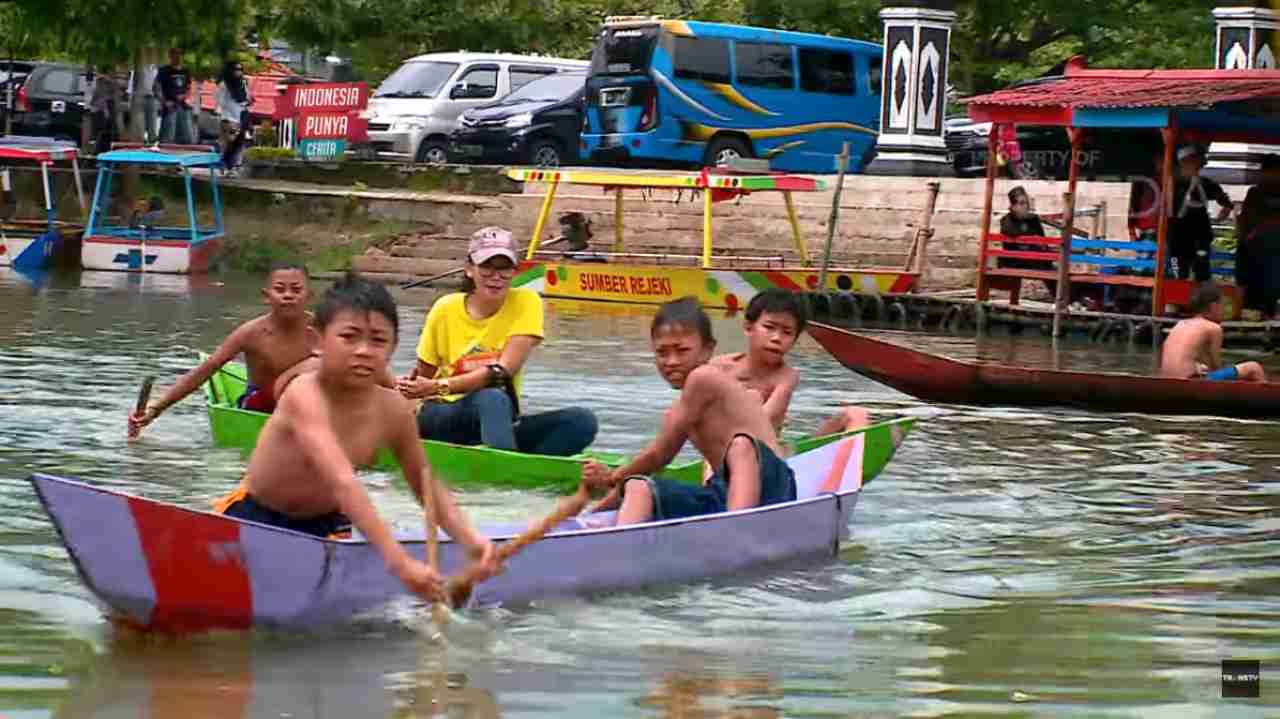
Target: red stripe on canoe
[196,568]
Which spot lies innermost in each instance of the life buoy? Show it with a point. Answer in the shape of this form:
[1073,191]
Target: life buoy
[1098,333]
[873,307]
[979,312]
[819,304]
[843,306]
[951,319]
[896,313]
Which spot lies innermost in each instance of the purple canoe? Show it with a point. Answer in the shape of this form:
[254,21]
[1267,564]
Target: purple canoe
[162,567]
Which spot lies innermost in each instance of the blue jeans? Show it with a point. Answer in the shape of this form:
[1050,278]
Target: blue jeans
[484,417]
[176,126]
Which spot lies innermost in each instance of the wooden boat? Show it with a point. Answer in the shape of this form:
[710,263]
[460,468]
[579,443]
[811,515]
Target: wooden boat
[37,244]
[941,379]
[167,568]
[726,281]
[457,465]
[147,244]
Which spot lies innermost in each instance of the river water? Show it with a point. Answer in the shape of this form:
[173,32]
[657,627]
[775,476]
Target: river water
[1009,562]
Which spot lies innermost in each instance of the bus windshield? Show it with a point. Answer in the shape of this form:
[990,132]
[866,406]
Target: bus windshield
[623,50]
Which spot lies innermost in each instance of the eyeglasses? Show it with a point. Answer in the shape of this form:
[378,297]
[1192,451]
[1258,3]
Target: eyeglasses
[500,270]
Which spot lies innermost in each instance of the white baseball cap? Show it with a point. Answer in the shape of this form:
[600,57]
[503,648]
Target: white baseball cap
[490,242]
[1187,151]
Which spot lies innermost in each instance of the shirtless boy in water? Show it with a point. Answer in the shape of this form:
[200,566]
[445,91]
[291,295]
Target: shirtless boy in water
[774,321]
[301,474]
[271,344]
[1194,346]
[725,421]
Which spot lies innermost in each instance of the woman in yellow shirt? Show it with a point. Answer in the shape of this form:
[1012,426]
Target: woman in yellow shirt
[471,362]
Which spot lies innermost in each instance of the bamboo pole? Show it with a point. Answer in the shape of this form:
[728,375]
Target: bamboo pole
[983,290]
[918,255]
[542,217]
[842,161]
[1068,227]
[1162,227]
[706,226]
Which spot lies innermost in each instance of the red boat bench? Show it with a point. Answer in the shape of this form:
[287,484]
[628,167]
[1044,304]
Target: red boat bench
[1104,266]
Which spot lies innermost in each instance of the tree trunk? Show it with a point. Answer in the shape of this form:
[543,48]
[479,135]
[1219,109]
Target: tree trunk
[86,117]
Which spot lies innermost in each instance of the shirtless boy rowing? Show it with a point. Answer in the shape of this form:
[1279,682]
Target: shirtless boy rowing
[301,475]
[1194,346]
[725,421]
[271,344]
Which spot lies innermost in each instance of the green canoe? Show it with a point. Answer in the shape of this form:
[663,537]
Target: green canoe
[463,466]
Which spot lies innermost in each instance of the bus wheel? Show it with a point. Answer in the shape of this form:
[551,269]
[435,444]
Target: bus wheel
[723,150]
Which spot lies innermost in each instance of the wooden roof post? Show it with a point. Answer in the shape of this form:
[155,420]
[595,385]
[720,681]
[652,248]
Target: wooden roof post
[983,290]
[1068,228]
[1170,136]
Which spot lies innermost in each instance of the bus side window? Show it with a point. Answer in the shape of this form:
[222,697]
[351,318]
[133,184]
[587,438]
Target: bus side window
[701,58]
[875,73]
[764,65]
[826,71]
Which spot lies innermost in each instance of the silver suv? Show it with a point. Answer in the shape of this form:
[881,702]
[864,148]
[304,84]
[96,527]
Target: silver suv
[412,113]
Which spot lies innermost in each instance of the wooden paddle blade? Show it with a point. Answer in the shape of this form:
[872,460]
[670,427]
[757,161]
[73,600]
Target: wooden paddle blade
[144,394]
[458,589]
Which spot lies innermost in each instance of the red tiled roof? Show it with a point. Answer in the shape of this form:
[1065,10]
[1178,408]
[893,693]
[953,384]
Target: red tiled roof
[1139,88]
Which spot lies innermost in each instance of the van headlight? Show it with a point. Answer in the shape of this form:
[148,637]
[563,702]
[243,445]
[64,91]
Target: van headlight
[524,119]
[409,123]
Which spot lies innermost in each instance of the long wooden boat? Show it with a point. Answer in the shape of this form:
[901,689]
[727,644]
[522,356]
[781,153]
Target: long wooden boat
[163,567]
[727,281]
[941,379]
[457,465]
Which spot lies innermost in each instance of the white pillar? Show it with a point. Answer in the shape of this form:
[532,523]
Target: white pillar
[913,93]
[1246,38]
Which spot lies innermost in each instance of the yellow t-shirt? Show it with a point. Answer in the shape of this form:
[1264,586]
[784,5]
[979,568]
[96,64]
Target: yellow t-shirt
[455,343]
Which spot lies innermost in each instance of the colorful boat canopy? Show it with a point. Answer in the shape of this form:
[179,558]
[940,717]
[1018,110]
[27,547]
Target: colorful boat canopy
[185,157]
[1226,105]
[35,151]
[677,180]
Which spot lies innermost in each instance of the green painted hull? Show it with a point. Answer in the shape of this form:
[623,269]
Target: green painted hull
[463,467]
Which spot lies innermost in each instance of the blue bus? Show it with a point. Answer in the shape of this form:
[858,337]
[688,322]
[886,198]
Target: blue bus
[673,92]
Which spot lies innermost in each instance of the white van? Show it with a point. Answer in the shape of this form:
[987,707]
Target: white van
[413,111]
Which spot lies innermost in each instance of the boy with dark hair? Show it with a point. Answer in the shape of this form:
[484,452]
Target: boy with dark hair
[271,344]
[725,422]
[1194,346]
[301,475]
[775,318]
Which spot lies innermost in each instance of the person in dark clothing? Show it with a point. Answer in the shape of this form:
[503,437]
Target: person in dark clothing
[1258,241]
[1022,222]
[1190,230]
[173,86]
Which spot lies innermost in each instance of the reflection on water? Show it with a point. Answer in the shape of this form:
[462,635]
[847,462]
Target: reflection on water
[1009,562]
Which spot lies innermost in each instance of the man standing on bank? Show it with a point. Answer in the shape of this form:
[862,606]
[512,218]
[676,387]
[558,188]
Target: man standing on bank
[471,360]
[1190,230]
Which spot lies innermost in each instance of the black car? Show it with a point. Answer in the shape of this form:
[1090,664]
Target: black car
[538,124]
[51,102]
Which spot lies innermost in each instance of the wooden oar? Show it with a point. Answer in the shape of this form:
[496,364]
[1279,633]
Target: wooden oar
[439,612]
[144,396]
[458,589]
[460,270]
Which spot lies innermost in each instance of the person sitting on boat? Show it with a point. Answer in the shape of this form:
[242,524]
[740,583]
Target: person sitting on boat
[301,475]
[1022,222]
[1258,241]
[725,421]
[774,320]
[1194,346]
[471,360]
[272,344]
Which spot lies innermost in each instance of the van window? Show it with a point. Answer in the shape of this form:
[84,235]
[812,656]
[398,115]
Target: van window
[826,71]
[701,58]
[523,75]
[481,82]
[417,79]
[875,70]
[764,65]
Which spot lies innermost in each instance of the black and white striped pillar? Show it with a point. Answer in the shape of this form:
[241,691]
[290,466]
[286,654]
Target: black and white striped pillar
[1248,38]
[913,94]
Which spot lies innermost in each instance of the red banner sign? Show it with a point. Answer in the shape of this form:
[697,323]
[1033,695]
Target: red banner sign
[333,126]
[328,97]
[327,111]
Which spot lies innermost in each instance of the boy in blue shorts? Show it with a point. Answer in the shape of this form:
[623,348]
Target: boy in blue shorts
[725,421]
[1194,345]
